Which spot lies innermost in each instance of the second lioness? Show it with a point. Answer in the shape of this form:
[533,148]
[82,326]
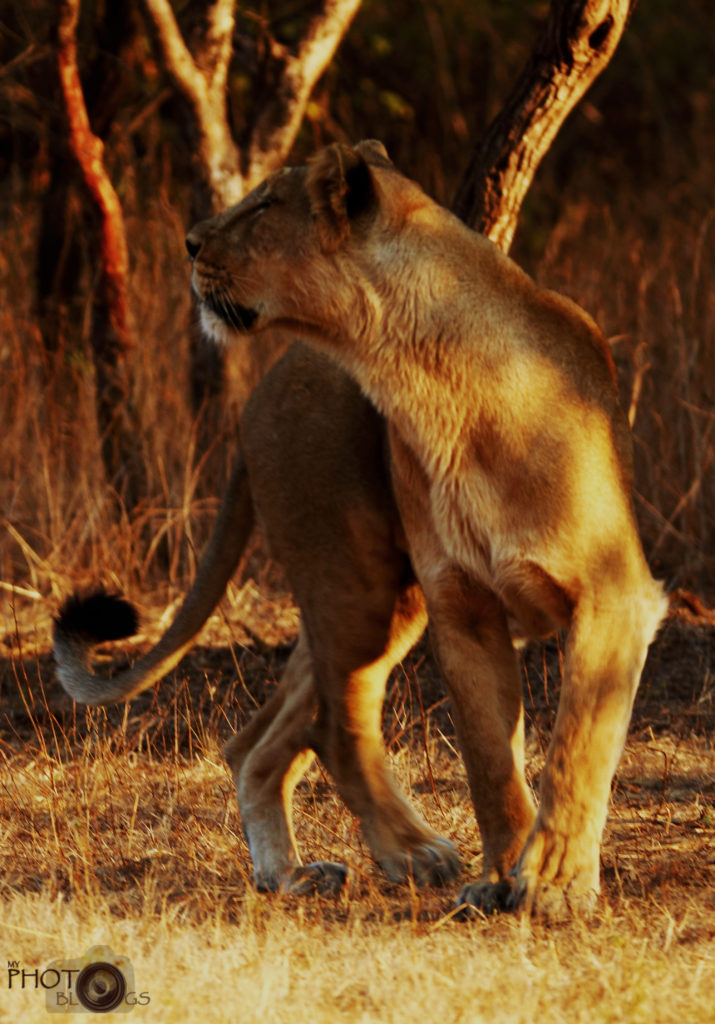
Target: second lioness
[511,465]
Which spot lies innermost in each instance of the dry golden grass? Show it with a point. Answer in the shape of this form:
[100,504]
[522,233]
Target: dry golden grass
[120,828]
[288,964]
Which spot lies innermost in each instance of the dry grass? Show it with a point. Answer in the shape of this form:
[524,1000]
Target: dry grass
[287,964]
[120,827]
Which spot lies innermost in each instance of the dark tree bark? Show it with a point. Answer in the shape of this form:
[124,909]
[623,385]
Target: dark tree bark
[577,43]
[110,327]
[59,256]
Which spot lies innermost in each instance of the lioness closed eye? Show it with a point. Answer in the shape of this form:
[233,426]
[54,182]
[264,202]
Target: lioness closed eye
[509,469]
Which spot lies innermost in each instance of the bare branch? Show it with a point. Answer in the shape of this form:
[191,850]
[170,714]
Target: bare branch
[202,80]
[203,85]
[111,329]
[178,61]
[215,56]
[276,130]
[577,43]
[88,151]
[323,38]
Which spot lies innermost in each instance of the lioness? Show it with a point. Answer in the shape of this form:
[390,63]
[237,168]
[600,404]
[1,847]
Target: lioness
[510,467]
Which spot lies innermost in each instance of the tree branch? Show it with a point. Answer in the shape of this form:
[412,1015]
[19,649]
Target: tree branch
[322,39]
[577,43]
[275,131]
[178,61]
[111,332]
[202,81]
[88,150]
[215,56]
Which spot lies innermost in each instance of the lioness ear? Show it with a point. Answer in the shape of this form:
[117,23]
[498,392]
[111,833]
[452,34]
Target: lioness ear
[341,188]
[374,152]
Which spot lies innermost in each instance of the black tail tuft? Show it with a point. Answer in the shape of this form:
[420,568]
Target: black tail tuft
[97,617]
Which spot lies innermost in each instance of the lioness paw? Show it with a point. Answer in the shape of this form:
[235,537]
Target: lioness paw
[557,874]
[550,902]
[321,878]
[485,898]
[555,879]
[543,901]
[435,862]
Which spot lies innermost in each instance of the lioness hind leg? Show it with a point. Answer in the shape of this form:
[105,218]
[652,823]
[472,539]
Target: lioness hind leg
[348,736]
[268,758]
[315,451]
[558,871]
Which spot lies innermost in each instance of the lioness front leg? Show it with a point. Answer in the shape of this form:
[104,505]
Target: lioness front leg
[473,646]
[558,871]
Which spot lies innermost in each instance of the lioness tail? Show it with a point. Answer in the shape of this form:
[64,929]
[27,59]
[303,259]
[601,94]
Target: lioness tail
[84,622]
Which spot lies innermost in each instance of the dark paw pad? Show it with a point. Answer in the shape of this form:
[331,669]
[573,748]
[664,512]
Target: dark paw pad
[485,898]
[323,878]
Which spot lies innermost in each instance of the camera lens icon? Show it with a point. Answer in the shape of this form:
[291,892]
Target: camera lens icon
[100,981]
[101,987]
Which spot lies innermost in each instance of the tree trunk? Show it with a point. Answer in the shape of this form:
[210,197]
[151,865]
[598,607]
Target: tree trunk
[201,81]
[578,41]
[110,329]
[227,172]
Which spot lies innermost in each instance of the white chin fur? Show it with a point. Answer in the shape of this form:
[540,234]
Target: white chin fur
[214,328]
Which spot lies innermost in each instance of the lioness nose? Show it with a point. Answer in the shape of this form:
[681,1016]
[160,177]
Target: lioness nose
[193,245]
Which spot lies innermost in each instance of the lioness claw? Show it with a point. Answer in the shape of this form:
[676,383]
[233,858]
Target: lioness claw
[324,878]
[485,898]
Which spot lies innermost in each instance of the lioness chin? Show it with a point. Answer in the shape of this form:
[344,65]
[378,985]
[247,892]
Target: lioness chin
[492,491]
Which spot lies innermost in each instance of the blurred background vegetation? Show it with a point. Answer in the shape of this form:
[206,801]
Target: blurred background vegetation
[620,217]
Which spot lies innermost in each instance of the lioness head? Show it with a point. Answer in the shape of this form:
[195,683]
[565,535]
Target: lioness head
[274,258]
[442,331]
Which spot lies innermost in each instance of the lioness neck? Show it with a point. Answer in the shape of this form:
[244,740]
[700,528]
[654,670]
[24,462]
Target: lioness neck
[425,338]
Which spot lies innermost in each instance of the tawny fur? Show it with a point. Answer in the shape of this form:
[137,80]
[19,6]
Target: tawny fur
[511,468]
[500,475]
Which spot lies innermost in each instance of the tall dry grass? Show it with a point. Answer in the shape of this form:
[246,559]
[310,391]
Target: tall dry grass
[61,523]
[120,828]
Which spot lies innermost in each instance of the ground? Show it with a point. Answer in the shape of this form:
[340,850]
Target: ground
[120,827]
